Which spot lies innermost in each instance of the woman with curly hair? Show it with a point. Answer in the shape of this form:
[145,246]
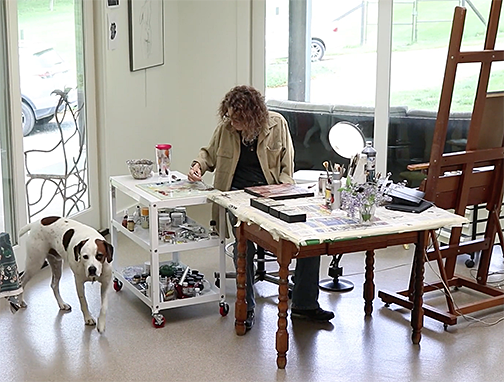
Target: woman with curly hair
[252,146]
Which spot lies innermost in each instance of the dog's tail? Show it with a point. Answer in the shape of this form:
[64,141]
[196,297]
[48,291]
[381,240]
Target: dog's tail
[25,229]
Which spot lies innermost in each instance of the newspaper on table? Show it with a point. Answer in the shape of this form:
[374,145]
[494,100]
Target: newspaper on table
[324,225]
[178,188]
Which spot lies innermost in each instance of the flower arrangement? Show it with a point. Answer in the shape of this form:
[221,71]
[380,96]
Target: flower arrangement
[362,198]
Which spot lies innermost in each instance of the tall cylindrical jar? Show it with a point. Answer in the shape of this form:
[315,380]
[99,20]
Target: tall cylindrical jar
[163,156]
[370,153]
[335,191]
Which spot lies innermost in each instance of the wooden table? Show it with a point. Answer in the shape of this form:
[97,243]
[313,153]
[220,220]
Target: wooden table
[288,241]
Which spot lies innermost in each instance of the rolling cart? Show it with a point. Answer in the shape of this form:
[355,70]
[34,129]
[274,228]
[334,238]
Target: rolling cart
[159,194]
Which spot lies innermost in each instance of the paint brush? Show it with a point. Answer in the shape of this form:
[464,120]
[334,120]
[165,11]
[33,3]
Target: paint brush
[326,165]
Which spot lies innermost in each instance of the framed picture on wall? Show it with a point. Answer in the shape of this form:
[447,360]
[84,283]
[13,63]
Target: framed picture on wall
[112,3]
[146,34]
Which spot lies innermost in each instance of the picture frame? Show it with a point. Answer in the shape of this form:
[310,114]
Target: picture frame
[112,3]
[146,32]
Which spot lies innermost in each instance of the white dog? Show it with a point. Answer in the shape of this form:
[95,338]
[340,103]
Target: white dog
[58,239]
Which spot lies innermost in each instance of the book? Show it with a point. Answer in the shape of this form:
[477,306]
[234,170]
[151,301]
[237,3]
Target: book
[264,204]
[279,191]
[290,214]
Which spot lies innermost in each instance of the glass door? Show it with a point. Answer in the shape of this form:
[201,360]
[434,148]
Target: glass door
[53,107]
[7,223]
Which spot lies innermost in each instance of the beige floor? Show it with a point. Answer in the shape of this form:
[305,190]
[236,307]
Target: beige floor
[197,344]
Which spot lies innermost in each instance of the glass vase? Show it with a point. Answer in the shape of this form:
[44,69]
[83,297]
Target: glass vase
[367,213]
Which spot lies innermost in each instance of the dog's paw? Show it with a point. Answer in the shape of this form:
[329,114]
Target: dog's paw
[65,307]
[90,321]
[15,305]
[101,326]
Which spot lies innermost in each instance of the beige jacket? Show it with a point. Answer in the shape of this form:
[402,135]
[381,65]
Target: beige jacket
[274,150]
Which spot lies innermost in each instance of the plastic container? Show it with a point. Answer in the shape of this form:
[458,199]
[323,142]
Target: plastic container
[164,223]
[163,156]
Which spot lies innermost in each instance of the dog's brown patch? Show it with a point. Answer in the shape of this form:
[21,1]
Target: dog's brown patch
[49,220]
[104,249]
[67,237]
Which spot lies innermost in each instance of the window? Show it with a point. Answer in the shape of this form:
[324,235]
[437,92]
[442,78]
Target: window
[342,84]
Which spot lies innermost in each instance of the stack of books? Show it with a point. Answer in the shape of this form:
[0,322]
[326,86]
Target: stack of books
[269,200]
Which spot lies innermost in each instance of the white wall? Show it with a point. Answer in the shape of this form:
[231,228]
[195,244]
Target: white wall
[207,51]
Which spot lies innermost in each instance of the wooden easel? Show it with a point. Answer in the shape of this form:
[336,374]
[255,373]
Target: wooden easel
[465,178]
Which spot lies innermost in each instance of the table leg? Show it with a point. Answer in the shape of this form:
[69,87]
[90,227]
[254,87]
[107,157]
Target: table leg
[241,303]
[417,312]
[369,286]
[282,335]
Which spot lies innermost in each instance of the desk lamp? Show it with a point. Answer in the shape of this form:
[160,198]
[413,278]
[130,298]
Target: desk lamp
[347,140]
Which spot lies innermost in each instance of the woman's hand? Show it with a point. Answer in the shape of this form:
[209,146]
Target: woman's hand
[194,173]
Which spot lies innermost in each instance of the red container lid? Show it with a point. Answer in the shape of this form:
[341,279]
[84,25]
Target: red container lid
[163,147]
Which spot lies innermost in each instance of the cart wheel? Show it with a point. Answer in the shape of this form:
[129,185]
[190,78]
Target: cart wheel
[158,320]
[117,285]
[223,309]
[469,263]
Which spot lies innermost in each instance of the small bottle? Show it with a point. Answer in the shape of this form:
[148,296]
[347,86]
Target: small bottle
[322,181]
[136,215]
[130,223]
[190,288]
[213,229]
[148,287]
[370,153]
[125,219]
[185,289]
[145,217]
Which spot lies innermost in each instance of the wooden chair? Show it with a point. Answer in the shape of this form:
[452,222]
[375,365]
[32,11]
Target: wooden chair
[460,179]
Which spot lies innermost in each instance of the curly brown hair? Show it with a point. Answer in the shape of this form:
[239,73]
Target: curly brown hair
[249,108]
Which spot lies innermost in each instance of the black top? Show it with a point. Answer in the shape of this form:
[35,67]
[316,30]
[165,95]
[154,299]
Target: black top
[248,170]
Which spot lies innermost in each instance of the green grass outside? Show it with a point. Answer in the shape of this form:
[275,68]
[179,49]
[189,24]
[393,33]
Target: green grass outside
[429,35]
[37,23]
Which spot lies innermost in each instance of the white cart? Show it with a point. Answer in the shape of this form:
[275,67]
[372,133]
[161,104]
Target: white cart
[148,239]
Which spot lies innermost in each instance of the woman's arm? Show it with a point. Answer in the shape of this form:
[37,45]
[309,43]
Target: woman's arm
[207,157]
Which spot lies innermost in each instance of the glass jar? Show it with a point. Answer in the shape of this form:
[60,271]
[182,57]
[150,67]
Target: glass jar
[144,217]
[131,223]
[164,223]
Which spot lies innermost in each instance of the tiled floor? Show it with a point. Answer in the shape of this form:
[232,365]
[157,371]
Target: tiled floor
[197,344]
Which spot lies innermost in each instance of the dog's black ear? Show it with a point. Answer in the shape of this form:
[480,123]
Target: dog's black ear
[78,248]
[110,251]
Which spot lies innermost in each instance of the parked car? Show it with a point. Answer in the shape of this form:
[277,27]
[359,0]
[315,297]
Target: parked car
[323,39]
[42,70]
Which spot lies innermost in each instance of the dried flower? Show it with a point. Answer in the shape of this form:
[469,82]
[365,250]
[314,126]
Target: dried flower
[361,198]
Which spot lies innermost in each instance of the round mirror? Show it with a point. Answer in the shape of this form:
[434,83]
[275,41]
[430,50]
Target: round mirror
[346,139]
